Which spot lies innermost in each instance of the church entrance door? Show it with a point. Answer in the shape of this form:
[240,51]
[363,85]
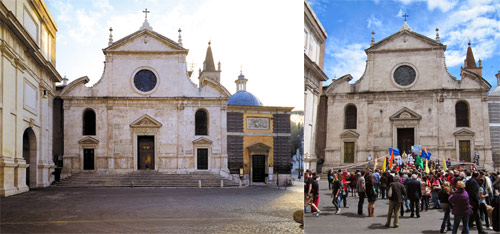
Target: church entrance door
[202,159]
[146,154]
[88,159]
[348,152]
[406,139]
[258,168]
[464,151]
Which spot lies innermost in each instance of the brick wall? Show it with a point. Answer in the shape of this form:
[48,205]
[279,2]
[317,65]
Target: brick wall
[234,122]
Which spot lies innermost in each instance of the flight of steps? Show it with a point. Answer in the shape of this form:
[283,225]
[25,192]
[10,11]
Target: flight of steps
[145,179]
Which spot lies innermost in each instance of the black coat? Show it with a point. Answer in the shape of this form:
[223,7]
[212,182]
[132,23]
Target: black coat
[414,190]
[472,188]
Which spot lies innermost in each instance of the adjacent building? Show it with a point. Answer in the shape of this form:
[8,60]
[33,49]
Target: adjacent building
[27,89]
[406,96]
[314,52]
[494,116]
[258,138]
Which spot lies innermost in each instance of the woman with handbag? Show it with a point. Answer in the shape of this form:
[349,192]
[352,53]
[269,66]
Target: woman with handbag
[443,195]
[371,195]
[436,187]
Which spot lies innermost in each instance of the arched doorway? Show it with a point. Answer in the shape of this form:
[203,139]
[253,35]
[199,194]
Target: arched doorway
[29,155]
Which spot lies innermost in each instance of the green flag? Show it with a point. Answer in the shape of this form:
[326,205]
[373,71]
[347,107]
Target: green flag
[419,162]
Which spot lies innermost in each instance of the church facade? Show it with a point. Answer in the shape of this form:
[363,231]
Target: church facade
[406,96]
[145,113]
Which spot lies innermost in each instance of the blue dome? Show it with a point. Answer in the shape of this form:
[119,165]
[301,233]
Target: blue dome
[243,98]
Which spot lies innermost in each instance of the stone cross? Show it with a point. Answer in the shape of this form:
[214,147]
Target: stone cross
[405,15]
[146,12]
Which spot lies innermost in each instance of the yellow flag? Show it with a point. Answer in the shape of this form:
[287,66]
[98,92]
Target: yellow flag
[385,162]
[426,166]
[444,163]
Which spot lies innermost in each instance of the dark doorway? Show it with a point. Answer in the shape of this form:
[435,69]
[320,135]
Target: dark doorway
[88,159]
[406,139]
[202,159]
[146,154]
[29,155]
[464,151]
[348,152]
[258,168]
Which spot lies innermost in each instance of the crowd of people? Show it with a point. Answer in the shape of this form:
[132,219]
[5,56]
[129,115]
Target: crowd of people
[471,195]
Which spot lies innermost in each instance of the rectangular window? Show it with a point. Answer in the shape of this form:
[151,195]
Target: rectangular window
[30,24]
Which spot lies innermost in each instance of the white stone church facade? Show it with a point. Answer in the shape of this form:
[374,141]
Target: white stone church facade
[406,96]
[145,113]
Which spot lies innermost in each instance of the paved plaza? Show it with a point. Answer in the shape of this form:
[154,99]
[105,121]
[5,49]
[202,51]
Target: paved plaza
[254,209]
[348,221]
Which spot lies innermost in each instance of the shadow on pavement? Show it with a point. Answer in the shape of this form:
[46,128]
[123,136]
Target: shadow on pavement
[354,215]
[377,226]
[430,231]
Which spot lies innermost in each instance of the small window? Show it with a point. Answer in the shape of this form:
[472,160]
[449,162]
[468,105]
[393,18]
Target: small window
[462,114]
[89,122]
[201,123]
[350,117]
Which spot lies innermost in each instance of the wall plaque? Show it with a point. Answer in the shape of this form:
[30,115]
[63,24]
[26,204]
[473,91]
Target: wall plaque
[258,123]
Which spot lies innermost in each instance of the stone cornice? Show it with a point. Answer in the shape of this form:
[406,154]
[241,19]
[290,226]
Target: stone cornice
[31,47]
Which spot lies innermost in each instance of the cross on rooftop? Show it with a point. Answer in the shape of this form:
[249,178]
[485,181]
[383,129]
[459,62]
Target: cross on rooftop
[405,16]
[146,12]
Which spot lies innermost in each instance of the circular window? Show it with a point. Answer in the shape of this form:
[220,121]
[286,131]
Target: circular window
[404,75]
[145,80]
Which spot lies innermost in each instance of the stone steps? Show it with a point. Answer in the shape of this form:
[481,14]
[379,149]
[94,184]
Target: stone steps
[145,179]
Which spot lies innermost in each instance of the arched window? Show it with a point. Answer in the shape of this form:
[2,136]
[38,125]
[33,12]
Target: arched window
[462,114]
[89,122]
[350,117]
[201,122]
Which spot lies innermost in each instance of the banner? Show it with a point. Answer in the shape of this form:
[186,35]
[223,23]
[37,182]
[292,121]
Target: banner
[393,150]
[426,155]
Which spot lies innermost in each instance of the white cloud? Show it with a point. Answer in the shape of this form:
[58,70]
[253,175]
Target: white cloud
[347,59]
[372,21]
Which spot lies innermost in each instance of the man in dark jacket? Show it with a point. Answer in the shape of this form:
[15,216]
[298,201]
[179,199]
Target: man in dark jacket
[414,193]
[397,191]
[472,188]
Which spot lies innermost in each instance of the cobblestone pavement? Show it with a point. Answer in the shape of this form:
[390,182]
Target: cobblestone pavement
[348,221]
[254,209]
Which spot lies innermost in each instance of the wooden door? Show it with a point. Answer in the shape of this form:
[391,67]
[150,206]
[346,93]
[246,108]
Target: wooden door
[258,168]
[202,159]
[464,151]
[406,139]
[146,154]
[88,159]
[348,152]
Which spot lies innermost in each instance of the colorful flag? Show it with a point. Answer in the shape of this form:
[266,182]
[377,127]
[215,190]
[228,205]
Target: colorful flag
[419,162]
[392,159]
[426,155]
[444,163]
[427,166]
[383,165]
[393,150]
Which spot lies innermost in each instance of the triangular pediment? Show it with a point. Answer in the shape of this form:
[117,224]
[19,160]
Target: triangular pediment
[349,134]
[202,141]
[405,40]
[145,41]
[145,121]
[88,141]
[405,114]
[464,132]
[259,147]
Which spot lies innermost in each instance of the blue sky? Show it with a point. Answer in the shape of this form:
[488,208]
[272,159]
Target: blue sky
[349,24]
[239,39]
